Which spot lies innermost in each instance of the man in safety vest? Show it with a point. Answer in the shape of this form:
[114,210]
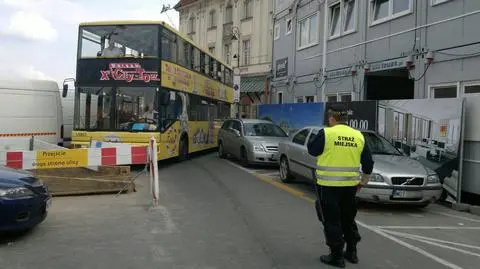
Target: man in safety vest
[340,151]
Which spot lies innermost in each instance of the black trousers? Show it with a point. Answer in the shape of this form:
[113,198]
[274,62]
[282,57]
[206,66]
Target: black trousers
[337,208]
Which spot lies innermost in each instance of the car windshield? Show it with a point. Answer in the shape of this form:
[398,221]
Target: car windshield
[263,129]
[379,145]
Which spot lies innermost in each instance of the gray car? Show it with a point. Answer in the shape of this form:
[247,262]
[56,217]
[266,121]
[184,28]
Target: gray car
[251,141]
[396,178]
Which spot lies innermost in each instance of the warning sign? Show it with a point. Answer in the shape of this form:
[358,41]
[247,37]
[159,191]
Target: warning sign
[61,158]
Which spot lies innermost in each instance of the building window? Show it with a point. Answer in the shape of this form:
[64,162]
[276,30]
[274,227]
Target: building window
[288,26]
[212,19]
[384,10]
[335,20]
[191,25]
[331,98]
[308,29]
[228,14]
[211,49]
[437,2]
[345,97]
[310,99]
[349,15]
[299,99]
[444,92]
[471,89]
[226,53]
[246,51]
[279,97]
[248,9]
[276,31]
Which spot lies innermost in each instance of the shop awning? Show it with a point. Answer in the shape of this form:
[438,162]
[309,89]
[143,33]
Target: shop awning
[252,84]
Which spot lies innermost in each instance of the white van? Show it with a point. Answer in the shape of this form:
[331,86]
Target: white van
[30,108]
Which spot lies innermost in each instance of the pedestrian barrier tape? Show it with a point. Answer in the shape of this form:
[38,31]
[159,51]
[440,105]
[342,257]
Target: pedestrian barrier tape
[73,158]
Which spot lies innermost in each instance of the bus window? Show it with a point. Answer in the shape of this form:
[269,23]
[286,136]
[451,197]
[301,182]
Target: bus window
[169,46]
[181,52]
[213,67]
[228,76]
[196,59]
[188,56]
[207,65]
[202,62]
[220,75]
[116,40]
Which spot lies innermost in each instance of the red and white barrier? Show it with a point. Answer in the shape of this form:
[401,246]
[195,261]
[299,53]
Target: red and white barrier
[70,158]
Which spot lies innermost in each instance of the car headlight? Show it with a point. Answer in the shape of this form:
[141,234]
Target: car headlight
[258,147]
[19,192]
[432,179]
[376,178]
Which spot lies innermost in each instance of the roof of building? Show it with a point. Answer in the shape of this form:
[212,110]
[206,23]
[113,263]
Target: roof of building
[182,3]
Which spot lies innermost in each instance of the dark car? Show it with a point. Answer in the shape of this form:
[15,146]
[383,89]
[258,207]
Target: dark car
[24,200]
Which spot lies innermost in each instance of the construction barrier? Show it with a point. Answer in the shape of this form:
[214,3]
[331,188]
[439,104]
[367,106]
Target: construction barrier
[72,158]
[111,155]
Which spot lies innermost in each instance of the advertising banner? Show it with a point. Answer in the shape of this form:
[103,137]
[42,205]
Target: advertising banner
[429,131]
[361,114]
[291,117]
[118,72]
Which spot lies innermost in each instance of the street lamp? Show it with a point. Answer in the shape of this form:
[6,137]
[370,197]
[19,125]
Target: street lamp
[236,36]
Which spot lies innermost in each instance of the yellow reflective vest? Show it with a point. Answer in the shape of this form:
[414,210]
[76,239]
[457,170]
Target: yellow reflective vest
[339,164]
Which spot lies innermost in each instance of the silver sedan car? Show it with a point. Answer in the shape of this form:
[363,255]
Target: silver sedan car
[251,141]
[396,178]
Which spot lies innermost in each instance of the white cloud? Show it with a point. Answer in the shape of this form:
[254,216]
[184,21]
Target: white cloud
[31,26]
[33,73]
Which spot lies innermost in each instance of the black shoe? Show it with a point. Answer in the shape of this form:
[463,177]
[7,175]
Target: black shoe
[351,256]
[337,261]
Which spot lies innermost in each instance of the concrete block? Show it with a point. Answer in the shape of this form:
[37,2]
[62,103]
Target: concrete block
[475,209]
[461,207]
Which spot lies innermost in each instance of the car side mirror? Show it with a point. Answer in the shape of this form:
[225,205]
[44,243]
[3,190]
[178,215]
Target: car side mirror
[65,90]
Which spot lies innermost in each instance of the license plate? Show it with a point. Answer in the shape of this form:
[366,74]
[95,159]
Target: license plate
[398,194]
[48,203]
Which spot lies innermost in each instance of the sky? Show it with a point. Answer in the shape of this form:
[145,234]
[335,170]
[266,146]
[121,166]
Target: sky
[38,38]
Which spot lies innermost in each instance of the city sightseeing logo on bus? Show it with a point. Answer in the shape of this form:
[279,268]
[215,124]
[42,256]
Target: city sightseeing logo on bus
[128,72]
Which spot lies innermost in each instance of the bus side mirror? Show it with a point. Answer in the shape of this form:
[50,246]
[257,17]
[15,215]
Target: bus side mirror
[65,90]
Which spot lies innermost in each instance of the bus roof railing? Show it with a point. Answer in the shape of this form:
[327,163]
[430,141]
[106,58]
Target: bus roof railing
[153,22]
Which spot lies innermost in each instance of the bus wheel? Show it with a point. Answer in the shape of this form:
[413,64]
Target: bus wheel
[183,149]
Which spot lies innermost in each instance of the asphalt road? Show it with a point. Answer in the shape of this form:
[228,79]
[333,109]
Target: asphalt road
[214,214]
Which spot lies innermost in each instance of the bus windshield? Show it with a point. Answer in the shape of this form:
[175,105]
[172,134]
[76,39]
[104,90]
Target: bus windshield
[126,108]
[114,41]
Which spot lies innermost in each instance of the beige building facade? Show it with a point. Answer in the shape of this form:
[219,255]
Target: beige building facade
[240,33]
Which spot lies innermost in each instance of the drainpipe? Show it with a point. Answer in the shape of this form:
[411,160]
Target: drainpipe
[325,38]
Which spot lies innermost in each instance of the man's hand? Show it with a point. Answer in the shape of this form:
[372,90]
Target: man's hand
[363,181]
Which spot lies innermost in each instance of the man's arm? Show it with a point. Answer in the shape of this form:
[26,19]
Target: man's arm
[367,164]
[318,144]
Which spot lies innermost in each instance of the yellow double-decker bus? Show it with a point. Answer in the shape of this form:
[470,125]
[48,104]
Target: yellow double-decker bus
[138,79]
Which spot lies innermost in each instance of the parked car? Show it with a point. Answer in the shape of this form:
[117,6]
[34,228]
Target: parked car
[24,200]
[251,141]
[396,178]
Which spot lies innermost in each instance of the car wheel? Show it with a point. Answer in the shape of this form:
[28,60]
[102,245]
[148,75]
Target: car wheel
[244,157]
[221,151]
[285,174]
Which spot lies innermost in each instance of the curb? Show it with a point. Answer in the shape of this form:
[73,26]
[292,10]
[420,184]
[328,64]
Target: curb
[472,209]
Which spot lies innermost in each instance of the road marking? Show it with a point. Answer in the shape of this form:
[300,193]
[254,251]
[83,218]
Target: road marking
[455,216]
[377,230]
[433,243]
[409,246]
[428,227]
[432,239]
